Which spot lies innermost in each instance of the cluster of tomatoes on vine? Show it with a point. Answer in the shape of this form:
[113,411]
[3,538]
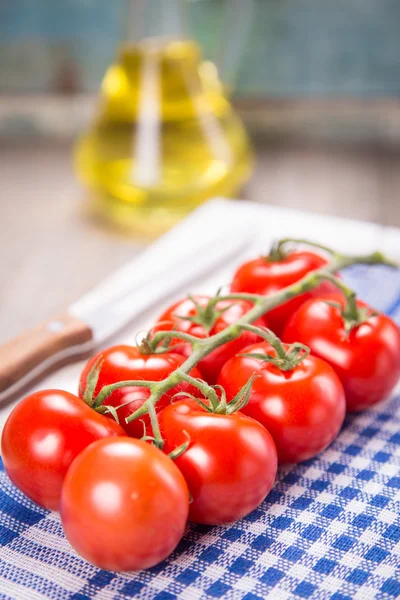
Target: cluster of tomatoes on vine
[124,503]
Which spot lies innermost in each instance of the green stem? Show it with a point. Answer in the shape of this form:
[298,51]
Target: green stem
[155,426]
[270,337]
[207,390]
[254,298]
[107,390]
[351,311]
[285,241]
[143,410]
[159,336]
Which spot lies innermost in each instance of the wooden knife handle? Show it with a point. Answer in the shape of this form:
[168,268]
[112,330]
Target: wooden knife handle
[28,351]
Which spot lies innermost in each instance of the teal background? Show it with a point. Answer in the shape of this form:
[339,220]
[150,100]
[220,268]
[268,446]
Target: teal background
[295,48]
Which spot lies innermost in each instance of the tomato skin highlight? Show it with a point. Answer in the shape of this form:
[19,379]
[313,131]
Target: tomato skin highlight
[41,438]
[264,276]
[229,466]
[210,365]
[367,360]
[123,363]
[303,409]
[124,505]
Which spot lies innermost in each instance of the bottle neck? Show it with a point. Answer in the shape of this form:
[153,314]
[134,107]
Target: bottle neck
[162,19]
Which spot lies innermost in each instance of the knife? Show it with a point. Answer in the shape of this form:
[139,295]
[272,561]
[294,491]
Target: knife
[208,237]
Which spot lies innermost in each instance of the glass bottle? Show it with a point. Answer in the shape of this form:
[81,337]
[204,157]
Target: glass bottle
[165,138]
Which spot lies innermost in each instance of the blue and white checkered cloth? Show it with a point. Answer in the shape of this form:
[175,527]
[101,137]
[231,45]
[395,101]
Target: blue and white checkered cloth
[330,528]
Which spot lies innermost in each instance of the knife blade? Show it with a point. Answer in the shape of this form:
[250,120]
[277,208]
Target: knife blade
[208,237]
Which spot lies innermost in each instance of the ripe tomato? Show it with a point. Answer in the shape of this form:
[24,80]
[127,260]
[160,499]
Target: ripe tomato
[229,466]
[303,409]
[211,365]
[124,505]
[265,276]
[367,360]
[123,363]
[43,435]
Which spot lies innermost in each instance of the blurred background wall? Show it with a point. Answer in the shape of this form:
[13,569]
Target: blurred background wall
[298,69]
[295,47]
[270,51]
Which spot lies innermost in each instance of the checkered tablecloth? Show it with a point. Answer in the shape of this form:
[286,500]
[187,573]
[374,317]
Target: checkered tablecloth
[330,528]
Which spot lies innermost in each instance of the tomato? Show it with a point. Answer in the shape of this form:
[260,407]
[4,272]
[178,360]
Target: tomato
[367,360]
[123,363]
[265,276]
[43,435]
[211,365]
[124,505]
[303,409]
[229,466]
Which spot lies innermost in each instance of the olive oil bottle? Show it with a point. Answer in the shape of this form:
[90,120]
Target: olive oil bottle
[165,138]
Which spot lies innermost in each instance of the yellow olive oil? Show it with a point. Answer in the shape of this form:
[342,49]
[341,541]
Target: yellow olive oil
[165,137]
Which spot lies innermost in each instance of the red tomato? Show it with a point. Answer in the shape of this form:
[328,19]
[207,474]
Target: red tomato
[123,363]
[230,465]
[211,365]
[124,505]
[43,435]
[303,409]
[265,276]
[367,360]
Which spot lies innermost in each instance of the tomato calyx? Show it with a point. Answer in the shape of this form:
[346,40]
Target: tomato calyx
[285,359]
[159,344]
[145,347]
[352,315]
[97,403]
[240,400]
[91,382]
[113,410]
[217,403]
[205,316]
[277,252]
[294,355]
[351,312]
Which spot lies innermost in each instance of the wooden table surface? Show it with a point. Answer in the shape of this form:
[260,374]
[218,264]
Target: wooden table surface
[51,252]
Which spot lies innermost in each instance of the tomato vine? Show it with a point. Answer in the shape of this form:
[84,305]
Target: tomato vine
[204,346]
